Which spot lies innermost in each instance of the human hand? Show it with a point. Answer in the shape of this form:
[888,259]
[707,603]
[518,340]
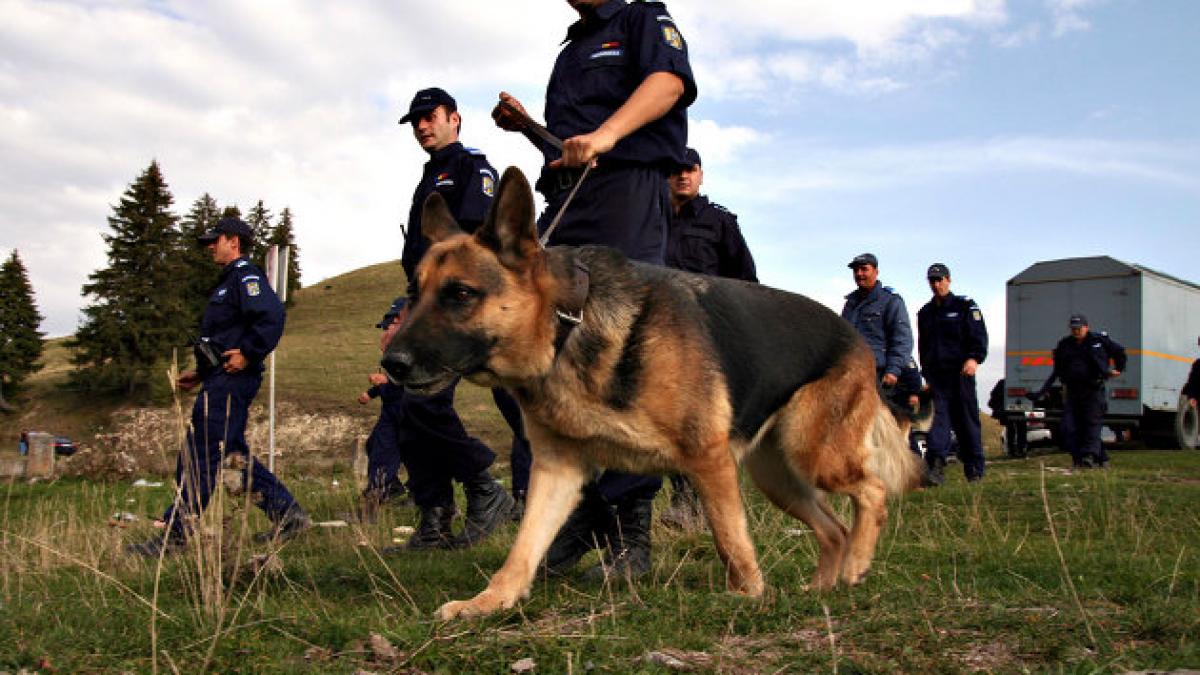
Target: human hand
[377,379]
[234,361]
[187,380]
[504,117]
[579,150]
[970,367]
[364,398]
[889,380]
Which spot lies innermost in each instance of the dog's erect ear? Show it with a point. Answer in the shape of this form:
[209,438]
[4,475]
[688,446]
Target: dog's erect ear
[436,222]
[509,228]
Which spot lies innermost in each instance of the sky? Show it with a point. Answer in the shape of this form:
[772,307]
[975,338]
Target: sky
[984,134]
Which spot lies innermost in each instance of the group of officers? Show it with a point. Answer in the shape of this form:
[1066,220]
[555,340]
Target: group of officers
[617,98]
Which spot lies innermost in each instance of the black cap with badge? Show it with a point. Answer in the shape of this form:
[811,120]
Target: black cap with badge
[1077,320]
[426,100]
[397,306]
[864,259]
[937,271]
[228,225]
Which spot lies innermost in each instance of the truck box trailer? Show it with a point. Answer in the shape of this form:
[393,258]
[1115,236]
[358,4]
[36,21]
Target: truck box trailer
[1155,316]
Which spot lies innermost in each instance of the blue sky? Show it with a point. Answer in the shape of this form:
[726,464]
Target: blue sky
[985,134]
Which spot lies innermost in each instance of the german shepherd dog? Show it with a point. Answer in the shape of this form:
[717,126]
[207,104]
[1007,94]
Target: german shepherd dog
[644,369]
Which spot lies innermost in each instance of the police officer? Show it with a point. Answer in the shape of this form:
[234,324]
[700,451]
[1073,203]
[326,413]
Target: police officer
[878,313]
[1083,361]
[704,238]
[242,323]
[389,433]
[1191,388]
[952,342]
[467,182]
[618,95]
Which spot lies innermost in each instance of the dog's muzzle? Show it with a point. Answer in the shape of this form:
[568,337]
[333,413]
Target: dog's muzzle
[398,365]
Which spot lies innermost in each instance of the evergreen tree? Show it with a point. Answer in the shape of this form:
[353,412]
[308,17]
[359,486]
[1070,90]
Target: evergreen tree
[140,312]
[259,220]
[284,235]
[196,262]
[20,340]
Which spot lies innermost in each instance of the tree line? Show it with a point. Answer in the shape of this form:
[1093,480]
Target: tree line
[149,298]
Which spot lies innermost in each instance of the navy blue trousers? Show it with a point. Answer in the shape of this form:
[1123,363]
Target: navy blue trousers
[219,418]
[521,456]
[955,406]
[388,440]
[626,208]
[443,450]
[1083,415]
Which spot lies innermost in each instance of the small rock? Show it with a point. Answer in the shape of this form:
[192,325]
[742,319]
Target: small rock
[382,648]
[524,665]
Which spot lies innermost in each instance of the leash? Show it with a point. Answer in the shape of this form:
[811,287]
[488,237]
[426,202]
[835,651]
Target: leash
[544,134]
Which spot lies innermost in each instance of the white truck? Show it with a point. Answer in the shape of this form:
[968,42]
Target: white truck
[1155,316]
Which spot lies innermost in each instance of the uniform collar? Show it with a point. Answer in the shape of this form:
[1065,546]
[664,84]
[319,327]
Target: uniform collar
[861,296]
[439,156]
[694,206]
[233,264]
[603,13]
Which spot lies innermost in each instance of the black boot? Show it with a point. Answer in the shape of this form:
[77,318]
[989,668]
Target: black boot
[286,527]
[935,473]
[587,528]
[518,509]
[154,547]
[628,553]
[433,531]
[488,505]
[684,513]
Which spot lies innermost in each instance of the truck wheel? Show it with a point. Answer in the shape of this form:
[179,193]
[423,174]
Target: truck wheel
[1187,425]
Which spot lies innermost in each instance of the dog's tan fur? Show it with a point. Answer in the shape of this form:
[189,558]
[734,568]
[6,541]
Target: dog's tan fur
[834,434]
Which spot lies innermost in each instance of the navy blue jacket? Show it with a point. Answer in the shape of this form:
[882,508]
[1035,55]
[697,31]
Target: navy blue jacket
[467,181]
[1083,365]
[705,238]
[881,318]
[243,313]
[390,393]
[949,333]
[606,57]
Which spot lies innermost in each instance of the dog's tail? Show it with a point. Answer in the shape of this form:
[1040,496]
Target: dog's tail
[891,460]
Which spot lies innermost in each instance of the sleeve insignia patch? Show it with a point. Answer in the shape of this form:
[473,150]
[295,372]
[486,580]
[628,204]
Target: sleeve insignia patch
[489,186]
[672,37]
[252,288]
[975,314]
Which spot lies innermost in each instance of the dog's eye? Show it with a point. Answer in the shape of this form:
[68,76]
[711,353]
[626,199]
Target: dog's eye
[459,294]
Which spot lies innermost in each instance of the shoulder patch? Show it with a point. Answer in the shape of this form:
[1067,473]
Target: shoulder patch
[488,184]
[252,287]
[976,314]
[672,37]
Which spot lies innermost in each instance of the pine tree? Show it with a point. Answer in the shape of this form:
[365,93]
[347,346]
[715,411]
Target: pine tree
[196,261]
[284,235]
[259,220]
[20,340]
[141,311]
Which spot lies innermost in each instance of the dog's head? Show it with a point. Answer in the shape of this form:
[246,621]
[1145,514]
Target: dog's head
[486,301]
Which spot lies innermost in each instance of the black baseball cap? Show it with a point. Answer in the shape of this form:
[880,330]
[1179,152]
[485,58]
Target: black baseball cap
[864,259]
[692,158]
[228,225]
[426,100]
[397,306]
[937,270]
[1078,320]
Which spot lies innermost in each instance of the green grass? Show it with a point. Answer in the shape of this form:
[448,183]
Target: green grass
[967,578]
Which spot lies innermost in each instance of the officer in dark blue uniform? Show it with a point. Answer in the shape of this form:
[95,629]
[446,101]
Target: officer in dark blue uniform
[389,435]
[952,341]
[879,315]
[703,236]
[618,96]
[1083,361]
[240,327]
[1191,388]
[467,182]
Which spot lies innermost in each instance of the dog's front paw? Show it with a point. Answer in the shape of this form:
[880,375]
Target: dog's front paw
[486,602]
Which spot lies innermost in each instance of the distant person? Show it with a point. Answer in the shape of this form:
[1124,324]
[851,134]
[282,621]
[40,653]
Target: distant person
[618,97]
[384,445]
[1083,361]
[952,341]
[242,324]
[1191,389]
[465,179]
[878,313]
[702,237]
[1016,428]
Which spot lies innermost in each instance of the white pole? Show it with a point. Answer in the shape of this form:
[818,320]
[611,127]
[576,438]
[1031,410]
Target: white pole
[272,269]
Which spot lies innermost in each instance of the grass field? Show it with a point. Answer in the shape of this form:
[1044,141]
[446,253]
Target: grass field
[1035,569]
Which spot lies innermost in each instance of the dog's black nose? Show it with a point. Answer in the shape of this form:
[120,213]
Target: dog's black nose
[398,364]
